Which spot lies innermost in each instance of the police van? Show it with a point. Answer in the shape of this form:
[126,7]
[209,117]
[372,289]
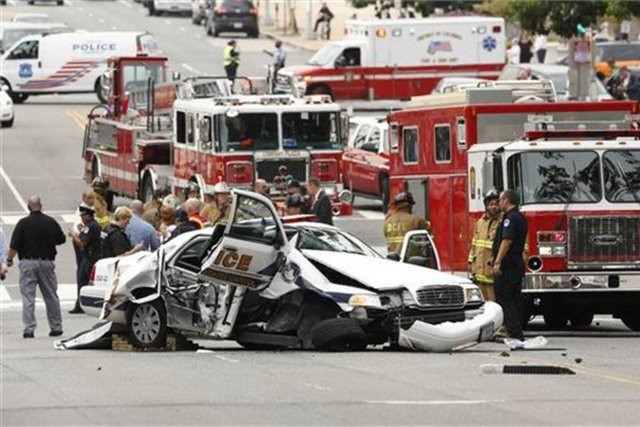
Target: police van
[67,62]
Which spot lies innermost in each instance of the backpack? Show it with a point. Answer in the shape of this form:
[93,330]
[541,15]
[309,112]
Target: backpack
[106,248]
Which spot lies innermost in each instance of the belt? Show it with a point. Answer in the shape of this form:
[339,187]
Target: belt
[38,259]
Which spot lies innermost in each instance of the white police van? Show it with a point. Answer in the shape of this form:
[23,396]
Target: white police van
[67,62]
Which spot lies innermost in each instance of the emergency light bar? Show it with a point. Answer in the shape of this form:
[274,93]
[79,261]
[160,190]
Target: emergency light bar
[576,134]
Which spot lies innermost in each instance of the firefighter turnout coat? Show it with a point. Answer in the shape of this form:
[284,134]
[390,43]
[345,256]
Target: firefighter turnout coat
[480,256]
[397,224]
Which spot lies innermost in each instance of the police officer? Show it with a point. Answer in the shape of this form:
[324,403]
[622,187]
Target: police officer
[88,240]
[480,255]
[231,59]
[508,263]
[400,220]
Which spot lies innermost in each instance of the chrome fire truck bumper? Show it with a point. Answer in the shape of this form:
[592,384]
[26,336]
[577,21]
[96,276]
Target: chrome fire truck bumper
[582,280]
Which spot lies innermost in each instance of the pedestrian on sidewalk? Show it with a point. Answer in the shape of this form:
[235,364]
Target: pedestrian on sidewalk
[540,47]
[231,58]
[508,263]
[87,239]
[139,230]
[34,240]
[324,15]
[525,45]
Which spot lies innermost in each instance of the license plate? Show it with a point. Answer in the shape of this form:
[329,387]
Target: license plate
[237,25]
[486,331]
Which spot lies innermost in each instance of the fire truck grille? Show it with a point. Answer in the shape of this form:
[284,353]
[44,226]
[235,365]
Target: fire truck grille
[268,169]
[597,241]
[440,296]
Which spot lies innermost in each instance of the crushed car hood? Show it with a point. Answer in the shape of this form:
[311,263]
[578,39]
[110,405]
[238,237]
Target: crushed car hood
[381,273]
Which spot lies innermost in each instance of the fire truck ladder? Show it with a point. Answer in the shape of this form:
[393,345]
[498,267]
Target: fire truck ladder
[522,90]
[544,126]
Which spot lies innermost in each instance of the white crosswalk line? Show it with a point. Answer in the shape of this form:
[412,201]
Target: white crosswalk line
[4,294]
[69,218]
[371,214]
[11,219]
[67,294]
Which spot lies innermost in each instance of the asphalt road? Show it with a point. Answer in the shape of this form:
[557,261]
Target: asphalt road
[227,385]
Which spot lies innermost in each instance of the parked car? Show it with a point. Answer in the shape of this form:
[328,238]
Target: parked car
[6,108]
[157,7]
[557,73]
[58,2]
[199,10]
[11,32]
[297,285]
[233,16]
[34,18]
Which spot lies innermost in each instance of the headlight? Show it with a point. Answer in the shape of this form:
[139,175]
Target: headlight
[364,300]
[473,295]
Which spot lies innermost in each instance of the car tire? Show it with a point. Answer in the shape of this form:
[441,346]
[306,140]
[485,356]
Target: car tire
[147,324]
[632,321]
[254,34]
[99,92]
[152,9]
[18,98]
[555,320]
[7,123]
[338,335]
[581,319]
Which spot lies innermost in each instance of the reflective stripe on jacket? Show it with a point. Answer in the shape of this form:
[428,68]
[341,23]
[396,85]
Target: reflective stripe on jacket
[397,224]
[480,254]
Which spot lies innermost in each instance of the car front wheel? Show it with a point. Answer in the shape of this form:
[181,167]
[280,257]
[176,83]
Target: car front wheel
[338,335]
[147,324]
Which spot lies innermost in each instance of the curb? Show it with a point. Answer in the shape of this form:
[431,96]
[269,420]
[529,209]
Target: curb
[296,45]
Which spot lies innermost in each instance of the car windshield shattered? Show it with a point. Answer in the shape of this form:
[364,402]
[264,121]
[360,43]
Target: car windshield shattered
[622,176]
[556,177]
[310,130]
[248,132]
[318,239]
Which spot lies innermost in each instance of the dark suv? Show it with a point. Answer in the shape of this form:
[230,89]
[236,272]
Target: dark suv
[238,16]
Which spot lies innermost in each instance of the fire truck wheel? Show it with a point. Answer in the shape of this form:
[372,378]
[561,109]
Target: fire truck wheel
[384,193]
[632,321]
[320,90]
[100,92]
[581,319]
[555,320]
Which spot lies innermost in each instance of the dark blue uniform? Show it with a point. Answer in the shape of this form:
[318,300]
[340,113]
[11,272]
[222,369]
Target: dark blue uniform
[508,285]
[90,235]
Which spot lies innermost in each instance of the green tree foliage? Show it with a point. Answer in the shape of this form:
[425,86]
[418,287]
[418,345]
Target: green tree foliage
[561,17]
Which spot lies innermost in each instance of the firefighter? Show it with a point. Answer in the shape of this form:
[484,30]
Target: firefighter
[218,210]
[480,255]
[231,58]
[400,220]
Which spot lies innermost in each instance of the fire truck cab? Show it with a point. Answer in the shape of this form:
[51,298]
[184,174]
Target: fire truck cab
[575,167]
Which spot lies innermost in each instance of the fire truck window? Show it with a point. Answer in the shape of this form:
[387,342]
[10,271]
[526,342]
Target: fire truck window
[546,177]
[25,50]
[350,57]
[393,136]
[204,132]
[373,143]
[443,143]
[136,76]
[361,136]
[410,145]
[622,176]
[181,126]
[248,132]
[310,130]
[191,138]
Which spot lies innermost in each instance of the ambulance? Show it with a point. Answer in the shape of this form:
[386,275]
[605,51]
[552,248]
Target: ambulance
[399,58]
[66,62]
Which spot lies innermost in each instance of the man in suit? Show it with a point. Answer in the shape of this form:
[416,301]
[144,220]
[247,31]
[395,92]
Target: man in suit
[320,203]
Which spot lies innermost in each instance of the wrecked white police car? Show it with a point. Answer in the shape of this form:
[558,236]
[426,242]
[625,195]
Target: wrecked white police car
[300,285]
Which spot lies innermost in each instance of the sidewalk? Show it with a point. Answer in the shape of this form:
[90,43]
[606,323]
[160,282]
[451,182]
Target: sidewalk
[341,9]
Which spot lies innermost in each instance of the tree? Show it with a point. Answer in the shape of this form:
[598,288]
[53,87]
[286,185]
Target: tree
[561,17]
[427,7]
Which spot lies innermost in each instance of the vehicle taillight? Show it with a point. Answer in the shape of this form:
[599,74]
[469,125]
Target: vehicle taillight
[552,243]
[254,10]
[239,173]
[325,170]
[92,275]
[497,29]
[220,10]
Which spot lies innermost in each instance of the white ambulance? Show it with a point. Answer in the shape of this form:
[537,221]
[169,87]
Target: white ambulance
[400,58]
[67,62]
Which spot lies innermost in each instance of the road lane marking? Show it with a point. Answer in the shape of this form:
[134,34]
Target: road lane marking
[101,21]
[4,294]
[78,118]
[226,359]
[431,402]
[126,3]
[167,21]
[69,2]
[113,27]
[68,218]
[372,215]
[317,387]
[182,29]
[13,189]
[190,68]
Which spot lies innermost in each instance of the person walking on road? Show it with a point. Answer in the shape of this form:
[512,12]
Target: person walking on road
[278,58]
[480,255]
[115,241]
[34,240]
[508,263]
[87,238]
[139,230]
[400,220]
[231,58]
[320,203]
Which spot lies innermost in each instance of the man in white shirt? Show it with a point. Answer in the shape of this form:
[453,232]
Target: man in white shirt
[540,47]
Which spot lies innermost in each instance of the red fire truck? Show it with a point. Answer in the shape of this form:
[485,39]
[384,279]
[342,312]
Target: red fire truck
[579,186]
[139,143]
[399,58]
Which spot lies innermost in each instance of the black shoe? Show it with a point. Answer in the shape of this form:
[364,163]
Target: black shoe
[27,335]
[55,333]
[76,310]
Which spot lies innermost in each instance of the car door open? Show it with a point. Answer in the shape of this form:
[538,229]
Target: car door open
[253,245]
[418,248]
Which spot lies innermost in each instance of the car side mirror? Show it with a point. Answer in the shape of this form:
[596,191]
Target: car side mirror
[393,256]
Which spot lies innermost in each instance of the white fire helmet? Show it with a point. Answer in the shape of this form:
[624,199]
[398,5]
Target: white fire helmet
[221,187]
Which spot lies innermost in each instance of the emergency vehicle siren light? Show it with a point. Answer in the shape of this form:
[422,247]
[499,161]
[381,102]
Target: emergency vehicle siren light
[381,32]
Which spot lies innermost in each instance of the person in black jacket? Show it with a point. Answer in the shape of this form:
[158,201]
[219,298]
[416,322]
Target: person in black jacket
[115,241]
[320,203]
